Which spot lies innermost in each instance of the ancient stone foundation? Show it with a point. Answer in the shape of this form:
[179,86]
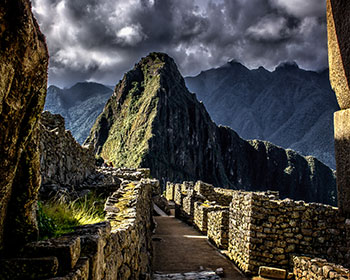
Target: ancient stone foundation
[119,248]
[259,229]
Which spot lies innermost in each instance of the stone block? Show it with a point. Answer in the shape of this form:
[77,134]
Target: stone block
[66,249]
[338,22]
[342,155]
[28,268]
[23,84]
[80,272]
[272,272]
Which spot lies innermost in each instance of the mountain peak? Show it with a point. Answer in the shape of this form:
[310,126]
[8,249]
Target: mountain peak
[155,61]
[287,65]
[234,62]
[153,121]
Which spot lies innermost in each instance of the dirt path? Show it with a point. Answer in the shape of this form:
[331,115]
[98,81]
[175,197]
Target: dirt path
[180,248]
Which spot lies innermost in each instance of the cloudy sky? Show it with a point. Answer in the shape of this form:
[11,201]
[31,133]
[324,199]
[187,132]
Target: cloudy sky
[99,40]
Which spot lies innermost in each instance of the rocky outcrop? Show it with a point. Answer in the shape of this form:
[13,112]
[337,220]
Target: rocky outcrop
[339,68]
[250,102]
[80,106]
[23,82]
[62,160]
[153,121]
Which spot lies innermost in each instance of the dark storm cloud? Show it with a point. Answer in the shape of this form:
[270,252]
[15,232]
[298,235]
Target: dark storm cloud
[101,39]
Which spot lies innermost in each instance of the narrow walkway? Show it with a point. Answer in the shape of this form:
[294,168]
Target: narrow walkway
[179,248]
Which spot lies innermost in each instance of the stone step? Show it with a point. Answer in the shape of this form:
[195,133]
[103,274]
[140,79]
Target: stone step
[202,275]
[28,268]
[65,248]
[80,271]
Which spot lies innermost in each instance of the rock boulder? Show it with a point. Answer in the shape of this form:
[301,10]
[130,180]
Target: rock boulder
[23,82]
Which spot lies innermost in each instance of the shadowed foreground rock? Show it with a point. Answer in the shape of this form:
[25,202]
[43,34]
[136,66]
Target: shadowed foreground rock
[153,121]
[23,81]
[338,22]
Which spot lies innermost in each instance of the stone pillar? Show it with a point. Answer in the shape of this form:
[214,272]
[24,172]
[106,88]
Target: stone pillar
[23,82]
[338,23]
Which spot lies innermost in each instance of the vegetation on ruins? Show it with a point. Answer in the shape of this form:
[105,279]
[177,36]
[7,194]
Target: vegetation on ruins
[58,216]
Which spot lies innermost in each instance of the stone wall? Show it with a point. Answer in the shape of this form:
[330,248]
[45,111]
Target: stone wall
[267,231]
[219,195]
[201,212]
[218,227]
[62,160]
[169,191]
[259,229]
[315,268]
[119,248]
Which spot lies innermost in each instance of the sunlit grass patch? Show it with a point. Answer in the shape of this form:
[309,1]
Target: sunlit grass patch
[57,216]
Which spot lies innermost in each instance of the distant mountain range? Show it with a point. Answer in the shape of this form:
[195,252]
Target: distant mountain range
[290,107]
[80,106]
[153,121]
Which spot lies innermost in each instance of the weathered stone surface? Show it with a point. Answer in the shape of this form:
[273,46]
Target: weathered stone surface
[262,229]
[23,81]
[63,160]
[309,268]
[28,268]
[265,231]
[342,148]
[203,275]
[218,227]
[153,121]
[338,49]
[65,248]
[80,271]
[272,272]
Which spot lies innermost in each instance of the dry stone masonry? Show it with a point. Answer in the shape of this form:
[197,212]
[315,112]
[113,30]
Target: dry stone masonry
[315,268]
[119,248]
[218,226]
[62,160]
[259,229]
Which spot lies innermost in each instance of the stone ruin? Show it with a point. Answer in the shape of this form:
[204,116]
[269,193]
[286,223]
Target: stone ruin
[339,72]
[257,229]
[119,248]
[63,161]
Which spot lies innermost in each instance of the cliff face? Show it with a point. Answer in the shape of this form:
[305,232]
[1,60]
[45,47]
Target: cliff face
[250,102]
[153,121]
[23,82]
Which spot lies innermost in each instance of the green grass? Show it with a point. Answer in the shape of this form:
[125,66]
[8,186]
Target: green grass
[57,217]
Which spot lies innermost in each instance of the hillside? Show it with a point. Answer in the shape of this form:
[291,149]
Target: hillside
[290,107]
[152,120]
[80,105]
